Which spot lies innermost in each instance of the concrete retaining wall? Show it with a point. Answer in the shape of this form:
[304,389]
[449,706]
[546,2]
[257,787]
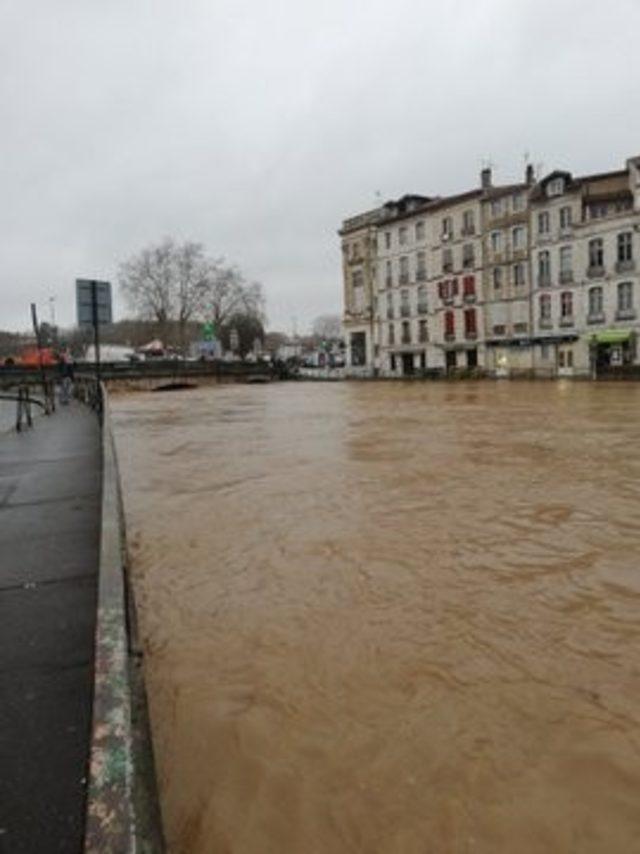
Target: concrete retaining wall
[122,807]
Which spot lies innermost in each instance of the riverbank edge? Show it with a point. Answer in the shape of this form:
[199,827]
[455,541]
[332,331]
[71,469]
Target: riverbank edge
[123,813]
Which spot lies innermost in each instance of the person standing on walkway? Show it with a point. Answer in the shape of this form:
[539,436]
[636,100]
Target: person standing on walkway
[66,377]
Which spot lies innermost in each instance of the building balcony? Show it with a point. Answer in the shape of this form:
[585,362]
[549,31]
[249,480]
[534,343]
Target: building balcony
[468,263]
[423,308]
[449,336]
[469,298]
[406,339]
[389,282]
[389,314]
[421,275]
[470,335]
[448,267]
[626,314]
[596,317]
[595,271]
[404,279]
[545,323]
[567,320]
[566,276]
[467,230]
[405,311]
[544,280]
[625,266]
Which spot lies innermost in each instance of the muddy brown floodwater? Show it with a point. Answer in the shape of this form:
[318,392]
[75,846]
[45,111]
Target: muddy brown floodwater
[391,618]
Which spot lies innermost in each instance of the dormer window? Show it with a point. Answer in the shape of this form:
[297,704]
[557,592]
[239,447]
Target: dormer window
[555,187]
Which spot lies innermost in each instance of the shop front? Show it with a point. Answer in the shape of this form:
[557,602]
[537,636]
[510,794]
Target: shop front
[612,349]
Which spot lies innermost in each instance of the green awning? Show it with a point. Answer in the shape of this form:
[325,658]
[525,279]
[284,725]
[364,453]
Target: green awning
[612,336]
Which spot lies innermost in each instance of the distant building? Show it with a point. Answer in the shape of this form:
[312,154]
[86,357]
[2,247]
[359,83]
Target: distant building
[534,278]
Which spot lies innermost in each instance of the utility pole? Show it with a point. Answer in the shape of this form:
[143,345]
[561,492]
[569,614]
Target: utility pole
[96,328]
[43,378]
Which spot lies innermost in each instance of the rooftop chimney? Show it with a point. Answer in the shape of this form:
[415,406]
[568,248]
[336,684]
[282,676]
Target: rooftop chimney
[485,178]
[529,175]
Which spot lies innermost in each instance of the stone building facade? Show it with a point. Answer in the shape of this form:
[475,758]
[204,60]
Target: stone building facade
[536,278]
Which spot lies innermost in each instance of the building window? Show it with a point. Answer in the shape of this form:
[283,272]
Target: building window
[469,287]
[420,230]
[625,247]
[423,333]
[517,237]
[468,258]
[499,329]
[598,210]
[447,260]
[447,228]
[518,274]
[595,301]
[391,337]
[470,328]
[468,223]
[520,328]
[389,305]
[543,222]
[405,308]
[596,253]
[625,296]
[496,207]
[404,270]
[387,240]
[389,274]
[496,241]
[555,187]
[421,266]
[544,352]
[496,275]
[449,324]
[545,307]
[402,235]
[565,218]
[518,201]
[566,270]
[566,304]
[544,268]
[422,300]
[406,332]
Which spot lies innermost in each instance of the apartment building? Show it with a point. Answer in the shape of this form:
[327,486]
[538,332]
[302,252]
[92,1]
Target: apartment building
[529,278]
[359,247]
[402,335]
[584,256]
[506,280]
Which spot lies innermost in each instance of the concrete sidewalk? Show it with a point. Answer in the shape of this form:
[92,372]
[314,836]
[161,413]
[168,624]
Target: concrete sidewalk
[49,542]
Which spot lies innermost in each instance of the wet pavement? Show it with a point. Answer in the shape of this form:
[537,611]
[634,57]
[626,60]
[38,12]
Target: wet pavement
[49,535]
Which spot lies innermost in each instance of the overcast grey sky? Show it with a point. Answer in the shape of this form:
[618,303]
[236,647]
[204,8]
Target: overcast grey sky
[255,126]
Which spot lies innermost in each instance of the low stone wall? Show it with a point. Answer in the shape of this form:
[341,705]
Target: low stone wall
[122,808]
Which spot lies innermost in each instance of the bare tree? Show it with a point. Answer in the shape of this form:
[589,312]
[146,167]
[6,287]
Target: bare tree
[228,295]
[328,327]
[178,283]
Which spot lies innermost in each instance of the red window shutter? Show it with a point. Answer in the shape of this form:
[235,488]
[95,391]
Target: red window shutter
[470,321]
[449,323]
[469,285]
